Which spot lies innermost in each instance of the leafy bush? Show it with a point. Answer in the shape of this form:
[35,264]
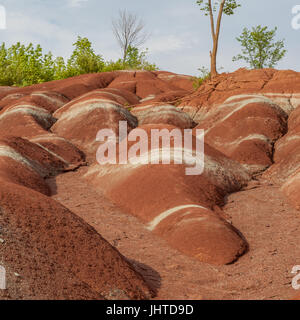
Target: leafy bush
[114,65]
[22,65]
[204,75]
[137,60]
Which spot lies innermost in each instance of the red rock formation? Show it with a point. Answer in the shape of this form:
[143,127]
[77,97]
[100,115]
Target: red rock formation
[245,129]
[280,86]
[80,121]
[251,123]
[61,255]
[29,163]
[171,202]
[291,188]
[25,120]
[160,113]
[147,84]
[257,135]
[287,152]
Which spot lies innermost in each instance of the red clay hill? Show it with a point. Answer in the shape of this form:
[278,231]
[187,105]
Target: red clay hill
[168,234]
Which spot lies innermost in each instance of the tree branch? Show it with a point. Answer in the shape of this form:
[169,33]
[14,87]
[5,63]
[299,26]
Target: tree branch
[219,19]
[212,23]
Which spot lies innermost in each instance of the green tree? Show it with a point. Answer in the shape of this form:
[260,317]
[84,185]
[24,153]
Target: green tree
[24,65]
[137,60]
[4,63]
[60,69]
[83,59]
[259,48]
[209,7]
[47,68]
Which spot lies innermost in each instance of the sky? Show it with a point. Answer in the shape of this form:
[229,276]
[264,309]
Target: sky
[180,38]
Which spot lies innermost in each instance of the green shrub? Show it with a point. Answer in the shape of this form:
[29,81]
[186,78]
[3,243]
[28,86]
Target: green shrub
[135,60]
[204,75]
[114,65]
[22,65]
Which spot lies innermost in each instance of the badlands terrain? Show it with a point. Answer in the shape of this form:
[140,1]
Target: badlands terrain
[71,228]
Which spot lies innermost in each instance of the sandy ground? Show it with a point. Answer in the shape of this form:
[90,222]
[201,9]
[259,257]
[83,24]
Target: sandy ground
[270,225]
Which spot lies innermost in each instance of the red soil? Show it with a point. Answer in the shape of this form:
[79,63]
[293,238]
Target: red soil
[231,233]
[270,226]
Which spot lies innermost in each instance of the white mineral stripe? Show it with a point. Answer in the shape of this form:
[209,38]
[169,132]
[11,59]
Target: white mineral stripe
[157,220]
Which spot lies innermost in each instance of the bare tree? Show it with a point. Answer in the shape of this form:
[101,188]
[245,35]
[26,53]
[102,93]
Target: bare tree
[129,31]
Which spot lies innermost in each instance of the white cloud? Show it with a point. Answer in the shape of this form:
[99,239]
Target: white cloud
[76,3]
[27,29]
[165,43]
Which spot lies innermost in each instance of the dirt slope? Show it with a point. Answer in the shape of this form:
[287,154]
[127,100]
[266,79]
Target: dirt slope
[270,226]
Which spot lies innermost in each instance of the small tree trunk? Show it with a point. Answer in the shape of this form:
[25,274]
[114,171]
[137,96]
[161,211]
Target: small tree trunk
[213,61]
[215,36]
[125,52]
[124,56]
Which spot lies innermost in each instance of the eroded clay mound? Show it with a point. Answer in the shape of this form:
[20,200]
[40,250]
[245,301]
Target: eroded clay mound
[163,114]
[256,133]
[141,83]
[147,84]
[48,100]
[287,152]
[25,120]
[80,121]
[69,88]
[200,233]
[170,97]
[10,99]
[29,163]
[154,192]
[181,81]
[57,255]
[62,149]
[291,188]
[282,86]
[118,96]
[245,128]
[285,170]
